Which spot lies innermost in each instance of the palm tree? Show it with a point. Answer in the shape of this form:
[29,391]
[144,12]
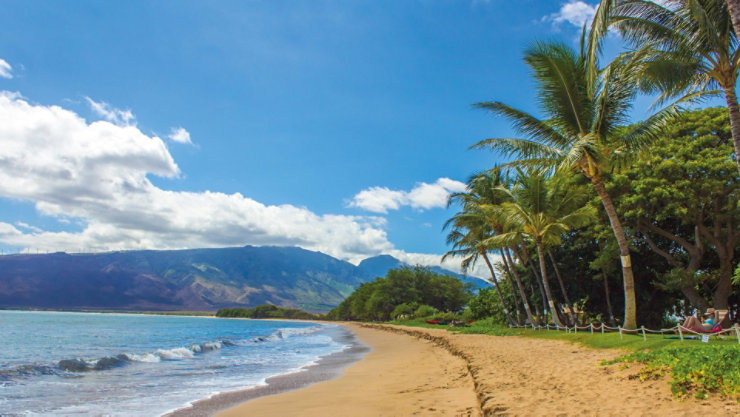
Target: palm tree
[582,130]
[689,47]
[484,190]
[469,232]
[542,209]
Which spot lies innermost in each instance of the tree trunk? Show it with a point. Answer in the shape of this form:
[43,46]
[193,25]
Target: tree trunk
[724,286]
[498,288]
[519,285]
[537,277]
[628,278]
[734,8]
[734,110]
[517,300]
[543,269]
[572,314]
[612,322]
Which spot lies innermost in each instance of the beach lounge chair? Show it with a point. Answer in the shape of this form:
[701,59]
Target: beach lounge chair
[720,320]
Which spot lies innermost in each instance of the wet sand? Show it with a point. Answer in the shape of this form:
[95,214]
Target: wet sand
[326,368]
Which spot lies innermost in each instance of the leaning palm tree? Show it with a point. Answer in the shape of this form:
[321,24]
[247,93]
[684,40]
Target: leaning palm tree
[467,236]
[542,209]
[483,190]
[582,129]
[689,47]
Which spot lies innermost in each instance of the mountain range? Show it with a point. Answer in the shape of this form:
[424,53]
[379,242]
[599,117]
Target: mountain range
[193,279]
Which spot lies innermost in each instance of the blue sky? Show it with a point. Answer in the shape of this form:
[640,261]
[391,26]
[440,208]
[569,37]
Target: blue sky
[337,126]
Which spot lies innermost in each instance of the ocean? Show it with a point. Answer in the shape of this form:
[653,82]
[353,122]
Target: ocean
[90,364]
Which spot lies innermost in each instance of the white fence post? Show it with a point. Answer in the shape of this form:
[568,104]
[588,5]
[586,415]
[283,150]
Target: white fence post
[644,337]
[620,332]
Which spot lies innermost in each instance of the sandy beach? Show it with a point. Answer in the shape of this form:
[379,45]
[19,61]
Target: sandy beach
[413,371]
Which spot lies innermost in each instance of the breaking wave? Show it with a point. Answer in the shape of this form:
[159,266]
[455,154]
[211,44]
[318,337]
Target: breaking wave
[68,367]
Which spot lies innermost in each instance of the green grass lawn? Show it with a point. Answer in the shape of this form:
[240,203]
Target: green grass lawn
[696,368]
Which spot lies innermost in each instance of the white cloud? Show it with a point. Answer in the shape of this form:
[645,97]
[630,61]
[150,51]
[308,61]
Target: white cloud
[575,12]
[479,270]
[96,173]
[423,196]
[110,113]
[28,227]
[179,135]
[6,71]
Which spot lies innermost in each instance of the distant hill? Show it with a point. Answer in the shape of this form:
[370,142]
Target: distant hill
[196,280]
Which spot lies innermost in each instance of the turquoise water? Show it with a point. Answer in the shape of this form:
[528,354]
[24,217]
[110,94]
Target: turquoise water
[55,363]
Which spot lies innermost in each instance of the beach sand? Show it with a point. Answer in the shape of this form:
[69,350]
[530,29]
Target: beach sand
[414,371]
[401,376]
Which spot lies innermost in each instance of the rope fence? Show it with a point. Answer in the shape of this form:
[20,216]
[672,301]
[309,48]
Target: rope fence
[680,330]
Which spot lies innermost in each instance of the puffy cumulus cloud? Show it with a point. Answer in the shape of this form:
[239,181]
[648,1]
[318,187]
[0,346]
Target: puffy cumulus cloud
[423,196]
[96,174]
[180,135]
[6,71]
[106,111]
[575,12]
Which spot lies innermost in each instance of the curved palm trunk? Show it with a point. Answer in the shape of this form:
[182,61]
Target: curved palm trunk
[732,107]
[543,270]
[612,322]
[572,314]
[628,278]
[734,7]
[538,278]
[498,288]
[517,300]
[511,268]
[525,260]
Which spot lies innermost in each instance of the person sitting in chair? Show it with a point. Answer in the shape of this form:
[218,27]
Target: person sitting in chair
[693,323]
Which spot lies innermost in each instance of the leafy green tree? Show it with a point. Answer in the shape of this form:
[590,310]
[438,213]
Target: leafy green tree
[683,199]
[688,48]
[376,300]
[581,130]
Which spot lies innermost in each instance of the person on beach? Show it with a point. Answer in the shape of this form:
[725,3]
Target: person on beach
[693,323]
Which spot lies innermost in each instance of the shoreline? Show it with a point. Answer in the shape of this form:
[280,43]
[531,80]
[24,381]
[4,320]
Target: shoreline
[326,368]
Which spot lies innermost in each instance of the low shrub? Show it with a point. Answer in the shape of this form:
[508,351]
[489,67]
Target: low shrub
[425,311]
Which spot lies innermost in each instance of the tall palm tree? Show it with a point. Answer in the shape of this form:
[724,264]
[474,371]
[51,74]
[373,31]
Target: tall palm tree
[582,129]
[542,209]
[469,232]
[483,190]
[690,48]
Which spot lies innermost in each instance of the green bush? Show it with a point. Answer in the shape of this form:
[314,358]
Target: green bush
[404,309]
[696,369]
[424,311]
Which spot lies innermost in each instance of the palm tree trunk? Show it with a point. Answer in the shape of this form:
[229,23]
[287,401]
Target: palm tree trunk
[498,288]
[628,278]
[734,109]
[612,322]
[543,269]
[537,278]
[734,7]
[511,269]
[572,314]
[517,300]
